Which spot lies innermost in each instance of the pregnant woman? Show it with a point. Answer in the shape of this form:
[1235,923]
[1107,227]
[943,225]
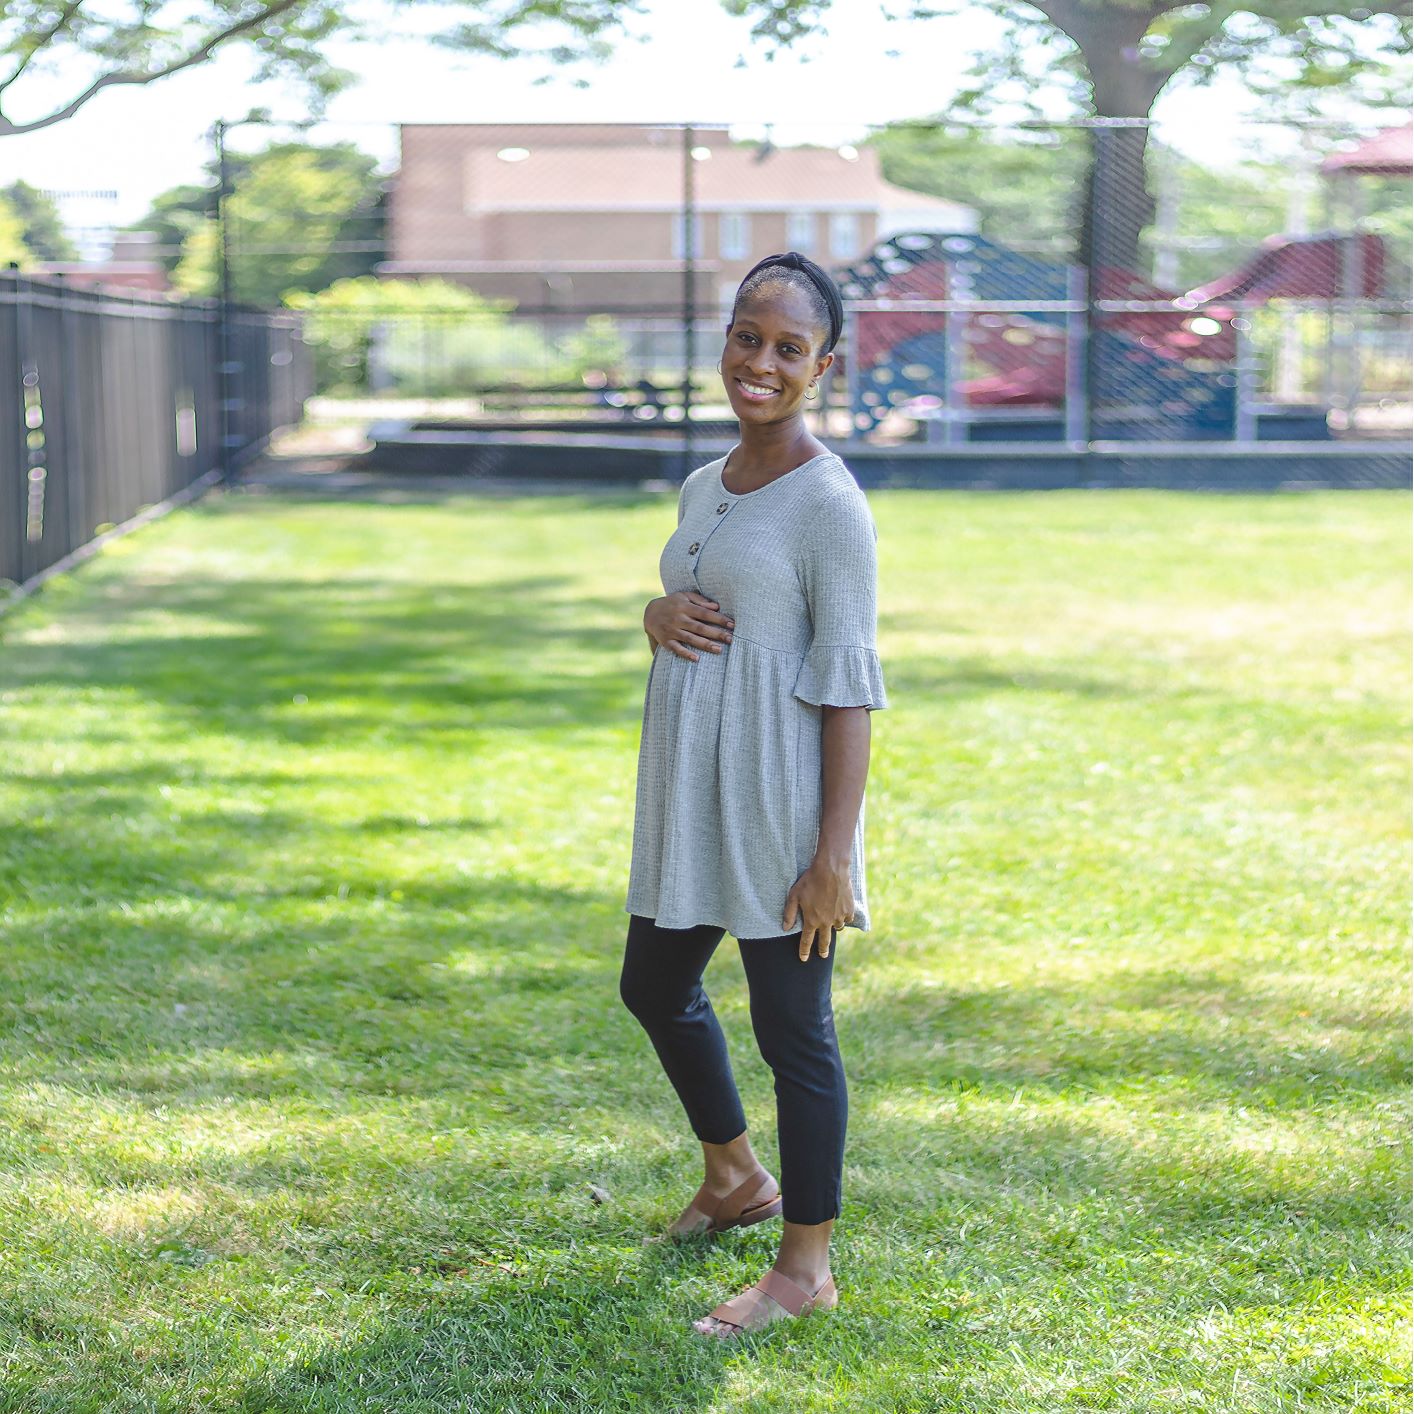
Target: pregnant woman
[749,816]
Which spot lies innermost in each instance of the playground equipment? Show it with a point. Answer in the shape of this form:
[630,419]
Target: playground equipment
[924,310]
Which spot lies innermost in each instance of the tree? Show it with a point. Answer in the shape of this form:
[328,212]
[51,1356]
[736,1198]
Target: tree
[42,231]
[427,336]
[175,217]
[597,347]
[12,238]
[141,41]
[1020,181]
[432,338]
[1114,57]
[299,217]
[1214,214]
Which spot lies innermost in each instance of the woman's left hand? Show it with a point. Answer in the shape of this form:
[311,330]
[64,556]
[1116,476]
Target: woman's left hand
[823,899]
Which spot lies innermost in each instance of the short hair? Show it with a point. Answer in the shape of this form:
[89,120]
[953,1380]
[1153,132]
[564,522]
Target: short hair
[797,272]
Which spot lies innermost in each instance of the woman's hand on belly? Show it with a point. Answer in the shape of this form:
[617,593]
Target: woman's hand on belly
[823,900]
[683,621]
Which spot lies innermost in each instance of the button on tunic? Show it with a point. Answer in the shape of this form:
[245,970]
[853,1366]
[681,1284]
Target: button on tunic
[727,810]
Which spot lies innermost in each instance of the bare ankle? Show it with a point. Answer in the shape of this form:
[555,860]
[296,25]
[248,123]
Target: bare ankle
[730,1163]
[810,1275]
[804,1254]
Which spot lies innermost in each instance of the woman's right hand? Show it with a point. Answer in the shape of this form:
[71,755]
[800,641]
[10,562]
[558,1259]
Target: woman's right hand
[680,621]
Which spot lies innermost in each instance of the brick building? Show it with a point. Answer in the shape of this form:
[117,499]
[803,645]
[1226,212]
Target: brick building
[576,218]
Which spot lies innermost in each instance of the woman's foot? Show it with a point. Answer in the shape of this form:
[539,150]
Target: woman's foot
[774,1298]
[692,1220]
[750,1199]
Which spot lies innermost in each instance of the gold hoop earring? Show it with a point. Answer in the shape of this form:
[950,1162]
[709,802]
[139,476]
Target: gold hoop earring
[810,394]
[719,365]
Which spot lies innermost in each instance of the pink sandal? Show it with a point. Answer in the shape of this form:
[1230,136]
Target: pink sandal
[779,1288]
[753,1201]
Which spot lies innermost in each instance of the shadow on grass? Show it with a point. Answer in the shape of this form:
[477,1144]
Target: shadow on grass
[374,1040]
[232,950]
[373,654]
[369,655]
[160,972]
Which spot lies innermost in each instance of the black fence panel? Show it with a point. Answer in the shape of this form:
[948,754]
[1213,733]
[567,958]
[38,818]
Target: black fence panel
[13,452]
[110,403]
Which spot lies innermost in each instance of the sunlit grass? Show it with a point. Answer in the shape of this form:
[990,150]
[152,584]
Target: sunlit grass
[314,831]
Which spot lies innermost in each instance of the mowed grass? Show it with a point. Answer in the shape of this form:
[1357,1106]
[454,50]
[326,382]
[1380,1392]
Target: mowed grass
[316,822]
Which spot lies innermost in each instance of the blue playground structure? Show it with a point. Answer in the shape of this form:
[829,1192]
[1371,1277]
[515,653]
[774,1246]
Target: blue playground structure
[1020,357]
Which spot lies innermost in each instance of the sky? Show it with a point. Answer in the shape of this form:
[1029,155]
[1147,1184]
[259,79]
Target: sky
[692,62]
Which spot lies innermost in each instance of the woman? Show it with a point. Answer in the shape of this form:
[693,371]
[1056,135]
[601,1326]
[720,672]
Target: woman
[749,815]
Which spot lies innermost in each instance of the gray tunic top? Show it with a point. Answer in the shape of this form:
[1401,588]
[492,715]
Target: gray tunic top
[729,768]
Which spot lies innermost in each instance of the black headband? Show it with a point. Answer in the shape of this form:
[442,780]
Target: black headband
[794,260]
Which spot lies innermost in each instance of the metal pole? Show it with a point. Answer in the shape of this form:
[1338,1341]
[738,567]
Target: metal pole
[851,368]
[1076,407]
[1166,272]
[1289,381]
[1353,277]
[689,295]
[27,561]
[1329,209]
[1244,371]
[1090,257]
[75,466]
[954,409]
[225,368]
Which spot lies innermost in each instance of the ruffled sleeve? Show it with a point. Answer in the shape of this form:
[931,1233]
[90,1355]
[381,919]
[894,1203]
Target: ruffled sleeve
[839,571]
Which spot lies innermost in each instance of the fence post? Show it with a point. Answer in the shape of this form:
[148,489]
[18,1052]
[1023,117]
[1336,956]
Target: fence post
[223,295]
[1077,342]
[689,294]
[17,515]
[32,432]
[1091,218]
[1352,282]
[226,366]
[1244,414]
[75,463]
[955,407]
[851,367]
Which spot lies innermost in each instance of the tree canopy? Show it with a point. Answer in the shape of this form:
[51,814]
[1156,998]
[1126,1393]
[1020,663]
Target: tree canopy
[129,42]
[1106,58]
[1110,59]
[1114,57]
[299,217]
[1215,214]
[13,249]
[41,229]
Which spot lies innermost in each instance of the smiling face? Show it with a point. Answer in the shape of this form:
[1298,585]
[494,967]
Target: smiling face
[772,354]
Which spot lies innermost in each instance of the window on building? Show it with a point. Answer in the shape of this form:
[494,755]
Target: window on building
[800,231]
[733,235]
[679,243]
[844,234]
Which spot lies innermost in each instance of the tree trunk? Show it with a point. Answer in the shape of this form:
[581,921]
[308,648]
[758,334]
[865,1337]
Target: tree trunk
[1117,203]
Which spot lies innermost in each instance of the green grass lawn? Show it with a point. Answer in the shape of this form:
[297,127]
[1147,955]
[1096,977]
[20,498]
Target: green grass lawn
[314,831]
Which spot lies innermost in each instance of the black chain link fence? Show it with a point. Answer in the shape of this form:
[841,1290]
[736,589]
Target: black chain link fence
[1064,288]
[113,401]
[1073,283]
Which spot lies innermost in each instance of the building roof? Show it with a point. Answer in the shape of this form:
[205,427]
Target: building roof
[568,134]
[554,175]
[1388,153]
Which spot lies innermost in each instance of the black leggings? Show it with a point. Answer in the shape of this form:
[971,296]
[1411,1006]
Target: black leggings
[661,985]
